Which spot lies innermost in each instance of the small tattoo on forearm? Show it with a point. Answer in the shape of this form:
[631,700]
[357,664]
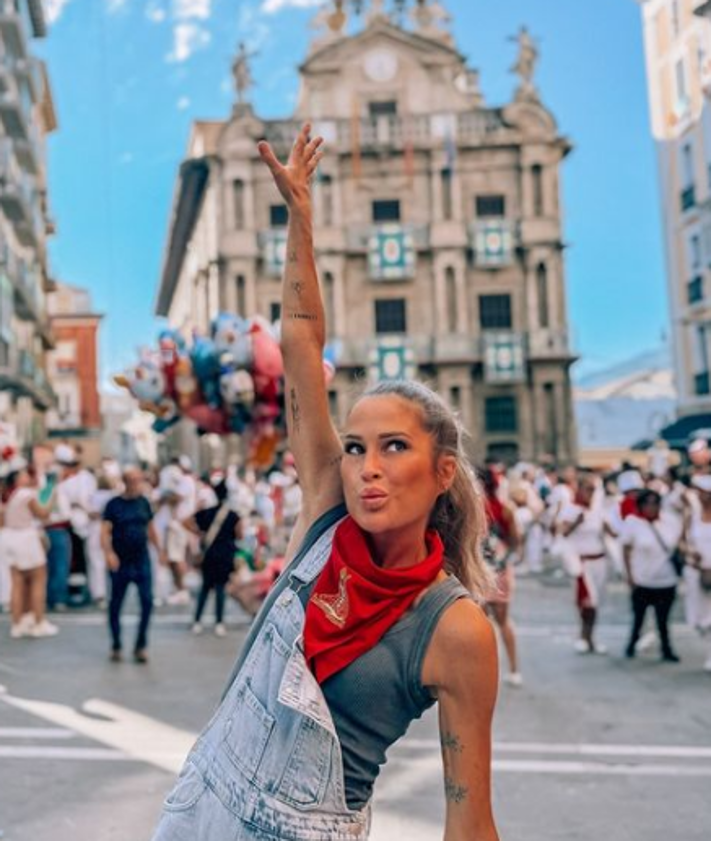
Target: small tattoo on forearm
[292,258]
[303,316]
[451,742]
[297,286]
[335,461]
[295,411]
[453,792]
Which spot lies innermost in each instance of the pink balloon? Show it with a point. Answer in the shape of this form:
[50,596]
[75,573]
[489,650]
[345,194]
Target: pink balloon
[210,420]
[329,371]
[267,353]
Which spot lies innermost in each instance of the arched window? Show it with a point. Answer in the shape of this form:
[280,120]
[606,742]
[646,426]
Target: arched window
[446,180]
[537,176]
[542,294]
[450,290]
[326,184]
[238,202]
[241,295]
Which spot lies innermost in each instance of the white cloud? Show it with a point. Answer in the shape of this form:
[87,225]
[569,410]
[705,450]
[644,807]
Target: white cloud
[252,27]
[183,103]
[53,9]
[187,38]
[270,7]
[114,6]
[189,31]
[192,9]
[156,13]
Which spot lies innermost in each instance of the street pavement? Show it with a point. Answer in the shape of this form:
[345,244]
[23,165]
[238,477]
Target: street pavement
[591,747]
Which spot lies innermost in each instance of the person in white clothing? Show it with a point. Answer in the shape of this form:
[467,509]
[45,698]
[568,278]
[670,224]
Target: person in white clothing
[584,527]
[649,539]
[25,552]
[107,487]
[697,573]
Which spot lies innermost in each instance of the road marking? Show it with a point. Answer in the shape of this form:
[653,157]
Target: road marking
[548,767]
[661,751]
[38,752]
[137,736]
[35,733]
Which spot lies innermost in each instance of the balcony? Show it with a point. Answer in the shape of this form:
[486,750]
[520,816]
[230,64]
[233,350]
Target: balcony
[13,27]
[358,237]
[702,384]
[21,374]
[695,290]
[389,131]
[493,243]
[423,349]
[548,343]
[688,198]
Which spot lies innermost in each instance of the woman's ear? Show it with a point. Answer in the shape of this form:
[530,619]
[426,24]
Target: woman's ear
[446,471]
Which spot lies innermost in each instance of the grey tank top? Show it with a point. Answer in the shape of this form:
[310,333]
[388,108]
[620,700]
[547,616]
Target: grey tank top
[375,698]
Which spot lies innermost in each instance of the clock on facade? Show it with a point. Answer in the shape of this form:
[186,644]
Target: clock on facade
[380,65]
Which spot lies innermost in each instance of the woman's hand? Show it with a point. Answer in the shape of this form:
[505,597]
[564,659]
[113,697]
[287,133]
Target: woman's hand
[293,180]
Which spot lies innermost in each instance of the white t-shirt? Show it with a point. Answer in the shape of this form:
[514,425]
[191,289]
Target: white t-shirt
[587,538]
[650,562]
[560,497]
[700,539]
[17,509]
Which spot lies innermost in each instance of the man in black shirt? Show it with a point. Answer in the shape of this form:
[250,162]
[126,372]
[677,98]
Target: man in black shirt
[126,533]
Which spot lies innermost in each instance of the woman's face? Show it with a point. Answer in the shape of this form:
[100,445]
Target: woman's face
[650,510]
[391,479]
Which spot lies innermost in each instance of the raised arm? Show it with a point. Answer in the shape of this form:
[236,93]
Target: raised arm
[312,437]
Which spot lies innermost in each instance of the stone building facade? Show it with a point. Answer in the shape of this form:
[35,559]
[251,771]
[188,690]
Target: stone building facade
[26,117]
[437,225]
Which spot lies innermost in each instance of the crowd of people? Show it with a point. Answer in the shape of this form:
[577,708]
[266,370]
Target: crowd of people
[651,529]
[182,538]
[73,537]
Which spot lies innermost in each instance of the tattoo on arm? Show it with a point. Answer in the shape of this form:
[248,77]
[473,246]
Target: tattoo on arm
[292,257]
[451,742]
[295,411]
[298,287]
[453,792]
[303,316]
[335,461]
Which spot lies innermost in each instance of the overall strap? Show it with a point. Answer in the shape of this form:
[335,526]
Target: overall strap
[316,531]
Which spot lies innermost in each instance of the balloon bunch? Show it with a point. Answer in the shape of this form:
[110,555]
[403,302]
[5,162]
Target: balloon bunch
[231,381]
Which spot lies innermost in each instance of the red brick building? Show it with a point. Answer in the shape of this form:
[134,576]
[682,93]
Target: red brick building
[74,371]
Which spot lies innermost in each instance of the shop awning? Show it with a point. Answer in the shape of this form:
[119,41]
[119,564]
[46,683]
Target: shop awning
[680,433]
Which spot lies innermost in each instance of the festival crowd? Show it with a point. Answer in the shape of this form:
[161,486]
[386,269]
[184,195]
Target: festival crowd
[72,536]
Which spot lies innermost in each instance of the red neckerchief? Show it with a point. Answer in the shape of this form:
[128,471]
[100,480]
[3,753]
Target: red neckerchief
[628,506]
[355,601]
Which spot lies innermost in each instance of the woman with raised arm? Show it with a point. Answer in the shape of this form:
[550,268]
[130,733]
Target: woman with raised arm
[373,620]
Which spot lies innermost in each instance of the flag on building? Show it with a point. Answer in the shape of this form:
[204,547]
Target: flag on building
[391,253]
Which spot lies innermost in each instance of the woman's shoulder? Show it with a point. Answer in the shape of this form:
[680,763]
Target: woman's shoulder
[463,636]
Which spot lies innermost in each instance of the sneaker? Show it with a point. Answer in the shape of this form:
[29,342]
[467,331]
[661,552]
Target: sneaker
[27,622]
[179,598]
[115,656]
[647,641]
[707,665]
[17,631]
[582,647]
[44,629]
[198,629]
[140,655]
[671,657]
[220,630]
[599,648]
[514,679]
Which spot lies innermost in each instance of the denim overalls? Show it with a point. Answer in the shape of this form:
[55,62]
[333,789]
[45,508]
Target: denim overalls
[268,766]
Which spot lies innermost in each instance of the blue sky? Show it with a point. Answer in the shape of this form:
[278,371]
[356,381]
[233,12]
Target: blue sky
[129,76]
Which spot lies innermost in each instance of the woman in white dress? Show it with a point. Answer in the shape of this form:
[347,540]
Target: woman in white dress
[26,556]
[697,572]
[584,528]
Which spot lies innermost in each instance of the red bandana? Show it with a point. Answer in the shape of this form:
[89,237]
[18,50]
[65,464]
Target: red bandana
[355,601]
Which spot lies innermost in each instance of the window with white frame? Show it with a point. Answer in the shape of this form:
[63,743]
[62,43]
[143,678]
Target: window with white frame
[695,258]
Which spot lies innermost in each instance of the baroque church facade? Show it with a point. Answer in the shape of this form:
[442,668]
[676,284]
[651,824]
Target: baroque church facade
[438,226]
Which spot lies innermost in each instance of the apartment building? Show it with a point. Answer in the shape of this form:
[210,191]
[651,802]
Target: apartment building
[26,118]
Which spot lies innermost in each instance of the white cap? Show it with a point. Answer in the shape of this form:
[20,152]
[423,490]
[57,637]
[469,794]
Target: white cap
[66,455]
[630,480]
[698,445]
[702,482]
[185,463]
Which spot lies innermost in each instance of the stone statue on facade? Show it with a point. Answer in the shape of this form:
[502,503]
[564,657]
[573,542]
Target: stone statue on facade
[241,74]
[431,20]
[329,22]
[377,11]
[525,66]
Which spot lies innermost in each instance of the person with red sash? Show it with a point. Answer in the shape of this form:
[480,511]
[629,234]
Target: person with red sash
[377,616]
[500,547]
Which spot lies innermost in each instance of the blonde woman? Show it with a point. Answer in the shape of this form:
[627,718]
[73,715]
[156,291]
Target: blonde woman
[372,622]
